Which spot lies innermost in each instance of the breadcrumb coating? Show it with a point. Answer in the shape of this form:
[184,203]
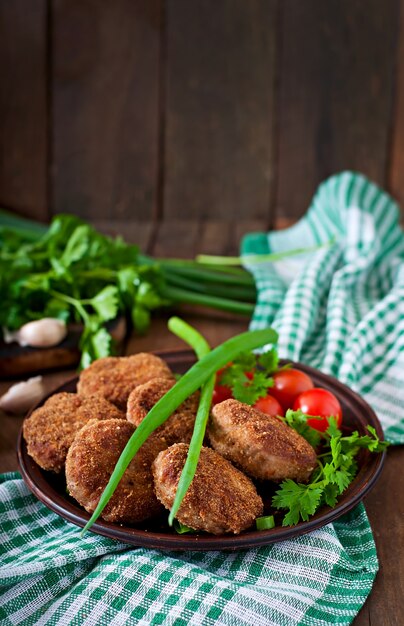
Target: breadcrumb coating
[51,428]
[115,377]
[261,445]
[89,465]
[178,427]
[220,499]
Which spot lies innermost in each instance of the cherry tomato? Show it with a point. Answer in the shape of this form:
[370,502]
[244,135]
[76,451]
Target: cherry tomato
[221,393]
[319,402]
[288,384]
[269,405]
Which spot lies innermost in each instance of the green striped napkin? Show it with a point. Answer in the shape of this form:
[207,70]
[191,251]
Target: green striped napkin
[338,309]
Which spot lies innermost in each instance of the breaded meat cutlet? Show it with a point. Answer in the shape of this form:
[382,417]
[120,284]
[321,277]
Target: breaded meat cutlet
[89,465]
[220,499]
[115,377]
[51,428]
[178,427]
[261,445]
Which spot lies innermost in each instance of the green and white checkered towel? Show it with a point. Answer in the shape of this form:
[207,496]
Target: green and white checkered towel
[340,309]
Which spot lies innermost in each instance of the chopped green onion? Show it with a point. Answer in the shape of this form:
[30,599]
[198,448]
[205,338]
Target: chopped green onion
[201,348]
[192,380]
[181,529]
[265,523]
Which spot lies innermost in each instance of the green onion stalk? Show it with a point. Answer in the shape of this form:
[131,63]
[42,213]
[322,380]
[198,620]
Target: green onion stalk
[201,347]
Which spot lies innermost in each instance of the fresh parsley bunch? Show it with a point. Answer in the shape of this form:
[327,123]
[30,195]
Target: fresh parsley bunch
[72,272]
[336,469]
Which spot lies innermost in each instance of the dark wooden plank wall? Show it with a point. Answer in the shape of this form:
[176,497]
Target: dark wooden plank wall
[105,107]
[219,108]
[336,93]
[24,114]
[140,110]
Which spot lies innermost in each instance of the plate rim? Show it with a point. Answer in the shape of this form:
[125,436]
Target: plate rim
[34,477]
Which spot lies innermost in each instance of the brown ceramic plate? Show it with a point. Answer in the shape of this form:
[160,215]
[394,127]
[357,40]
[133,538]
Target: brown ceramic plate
[51,490]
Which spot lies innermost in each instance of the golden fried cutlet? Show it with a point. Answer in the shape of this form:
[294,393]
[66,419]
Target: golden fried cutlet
[261,445]
[115,377]
[178,427]
[51,428]
[220,499]
[89,465]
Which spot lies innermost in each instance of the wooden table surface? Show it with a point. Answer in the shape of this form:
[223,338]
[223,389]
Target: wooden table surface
[385,504]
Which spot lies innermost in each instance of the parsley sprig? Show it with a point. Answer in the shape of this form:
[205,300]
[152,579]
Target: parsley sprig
[250,376]
[336,469]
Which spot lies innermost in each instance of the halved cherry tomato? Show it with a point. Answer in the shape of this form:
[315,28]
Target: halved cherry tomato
[269,405]
[288,384]
[319,402]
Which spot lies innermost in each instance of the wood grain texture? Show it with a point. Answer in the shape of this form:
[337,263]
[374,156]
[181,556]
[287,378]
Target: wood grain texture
[396,177]
[137,232]
[337,74]
[105,87]
[385,508]
[219,108]
[23,107]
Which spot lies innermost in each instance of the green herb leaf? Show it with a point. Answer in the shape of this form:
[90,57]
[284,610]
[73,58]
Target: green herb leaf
[301,500]
[269,361]
[106,303]
[248,376]
[298,421]
[77,246]
[140,318]
[334,473]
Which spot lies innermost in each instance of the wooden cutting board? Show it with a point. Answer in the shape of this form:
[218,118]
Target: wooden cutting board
[16,361]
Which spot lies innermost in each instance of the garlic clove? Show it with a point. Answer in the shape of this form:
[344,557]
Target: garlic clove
[10,335]
[23,396]
[42,333]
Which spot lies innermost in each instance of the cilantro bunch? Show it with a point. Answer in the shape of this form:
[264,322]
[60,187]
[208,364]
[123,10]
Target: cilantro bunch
[72,272]
[336,469]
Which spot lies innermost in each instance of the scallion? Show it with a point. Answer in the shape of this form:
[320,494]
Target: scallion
[265,523]
[181,529]
[208,259]
[201,347]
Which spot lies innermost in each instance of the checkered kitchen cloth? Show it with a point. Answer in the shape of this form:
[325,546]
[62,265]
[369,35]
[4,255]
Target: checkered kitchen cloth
[340,309]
